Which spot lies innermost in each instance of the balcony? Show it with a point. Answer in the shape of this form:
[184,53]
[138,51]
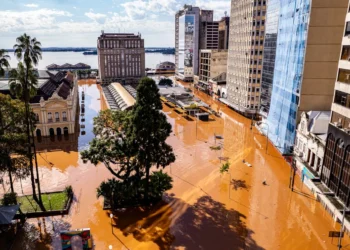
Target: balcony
[57,119]
[64,119]
[49,120]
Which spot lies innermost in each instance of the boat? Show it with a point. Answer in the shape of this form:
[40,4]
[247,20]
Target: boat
[90,52]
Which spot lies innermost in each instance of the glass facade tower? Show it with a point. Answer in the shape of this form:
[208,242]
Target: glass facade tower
[270,44]
[293,27]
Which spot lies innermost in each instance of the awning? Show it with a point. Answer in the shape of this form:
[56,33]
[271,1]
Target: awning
[306,172]
[7,213]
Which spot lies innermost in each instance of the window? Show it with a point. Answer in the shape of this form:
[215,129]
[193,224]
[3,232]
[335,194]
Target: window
[37,117]
[49,117]
[64,116]
[257,89]
[347,30]
[57,116]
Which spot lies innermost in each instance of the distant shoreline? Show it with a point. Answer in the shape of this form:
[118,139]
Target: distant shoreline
[163,50]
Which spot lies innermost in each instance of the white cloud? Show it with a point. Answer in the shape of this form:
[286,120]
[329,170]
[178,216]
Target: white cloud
[97,17]
[139,9]
[13,21]
[219,6]
[31,5]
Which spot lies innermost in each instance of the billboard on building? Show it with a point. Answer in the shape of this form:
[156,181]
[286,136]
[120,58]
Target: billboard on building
[189,40]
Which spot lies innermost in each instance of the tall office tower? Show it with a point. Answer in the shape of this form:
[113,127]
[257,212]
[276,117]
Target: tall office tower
[224,31]
[194,30]
[336,166]
[121,57]
[246,44]
[269,55]
[307,53]
[209,36]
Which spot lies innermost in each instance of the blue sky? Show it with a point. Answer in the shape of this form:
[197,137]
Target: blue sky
[76,23]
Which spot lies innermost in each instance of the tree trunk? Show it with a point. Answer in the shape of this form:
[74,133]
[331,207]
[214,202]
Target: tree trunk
[147,184]
[37,174]
[26,102]
[9,165]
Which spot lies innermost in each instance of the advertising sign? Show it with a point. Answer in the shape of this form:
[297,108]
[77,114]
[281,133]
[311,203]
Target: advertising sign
[189,40]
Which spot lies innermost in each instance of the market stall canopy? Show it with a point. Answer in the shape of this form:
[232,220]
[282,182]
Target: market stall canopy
[7,213]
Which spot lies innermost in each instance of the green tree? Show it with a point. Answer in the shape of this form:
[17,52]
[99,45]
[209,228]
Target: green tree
[29,50]
[13,138]
[129,143]
[150,130]
[166,82]
[4,63]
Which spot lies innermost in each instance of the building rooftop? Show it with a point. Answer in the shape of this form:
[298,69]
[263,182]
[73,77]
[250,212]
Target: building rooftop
[119,35]
[59,82]
[318,121]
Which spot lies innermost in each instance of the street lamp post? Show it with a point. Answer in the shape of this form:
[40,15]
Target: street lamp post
[111,216]
[110,247]
[341,229]
[50,202]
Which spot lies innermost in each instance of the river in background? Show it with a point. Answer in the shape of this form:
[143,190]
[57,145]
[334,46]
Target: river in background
[152,59]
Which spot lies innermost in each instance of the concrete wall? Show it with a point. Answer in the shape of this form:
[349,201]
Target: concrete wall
[322,54]
[218,62]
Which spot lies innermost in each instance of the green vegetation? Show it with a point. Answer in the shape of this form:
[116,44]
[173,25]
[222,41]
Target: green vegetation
[58,202]
[215,148]
[4,62]
[225,167]
[23,84]
[129,144]
[13,139]
[9,199]
[165,82]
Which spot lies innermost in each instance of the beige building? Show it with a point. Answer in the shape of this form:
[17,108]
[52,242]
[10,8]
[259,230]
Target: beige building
[121,58]
[247,28]
[212,64]
[55,104]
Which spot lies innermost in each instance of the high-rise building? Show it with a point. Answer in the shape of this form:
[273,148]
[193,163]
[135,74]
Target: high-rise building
[269,55]
[187,42]
[246,44]
[305,64]
[336,166]
[121,57]
[209,36]
[224,32]
[194,30]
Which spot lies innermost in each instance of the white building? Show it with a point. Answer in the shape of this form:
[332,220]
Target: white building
[310,143]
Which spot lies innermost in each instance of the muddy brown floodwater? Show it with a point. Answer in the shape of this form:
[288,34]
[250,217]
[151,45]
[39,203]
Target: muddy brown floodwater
[204,210]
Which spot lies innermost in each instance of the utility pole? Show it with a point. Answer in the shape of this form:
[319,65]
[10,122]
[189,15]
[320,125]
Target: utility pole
[341,229]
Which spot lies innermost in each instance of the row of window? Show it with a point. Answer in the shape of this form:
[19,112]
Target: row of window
[257,23]
[120,43]
[57,116]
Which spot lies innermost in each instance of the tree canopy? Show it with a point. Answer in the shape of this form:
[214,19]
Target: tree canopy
[129,144]
[13,139]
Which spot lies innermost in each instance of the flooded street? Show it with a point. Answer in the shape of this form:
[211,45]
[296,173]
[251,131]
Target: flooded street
[204,210]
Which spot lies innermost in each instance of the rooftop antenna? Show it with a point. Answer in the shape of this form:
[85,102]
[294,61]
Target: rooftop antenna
[225,13]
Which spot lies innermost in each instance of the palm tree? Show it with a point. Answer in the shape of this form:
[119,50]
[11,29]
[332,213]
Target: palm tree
[29,49]
[4,63]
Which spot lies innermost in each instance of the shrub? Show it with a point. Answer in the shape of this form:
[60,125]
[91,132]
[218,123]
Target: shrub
[9,199]
[215,147]
[225,167]
[68,190]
